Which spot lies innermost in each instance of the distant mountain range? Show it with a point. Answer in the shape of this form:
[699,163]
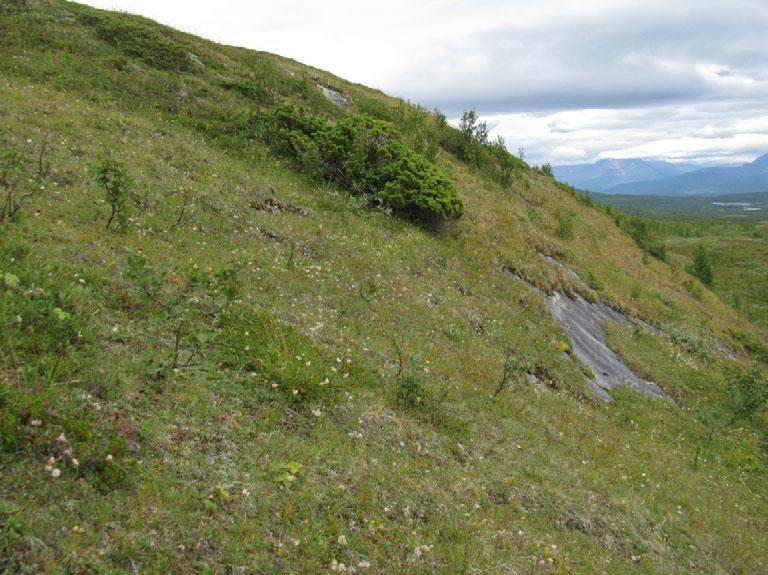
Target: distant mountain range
[641,177]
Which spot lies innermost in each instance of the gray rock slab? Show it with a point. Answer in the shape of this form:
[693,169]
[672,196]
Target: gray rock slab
[333,95]
[583,321]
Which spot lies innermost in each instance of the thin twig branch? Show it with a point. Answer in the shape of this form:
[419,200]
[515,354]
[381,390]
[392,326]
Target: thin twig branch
[179,330]
[506,371]
[42,165]
[182,220]
[400,361]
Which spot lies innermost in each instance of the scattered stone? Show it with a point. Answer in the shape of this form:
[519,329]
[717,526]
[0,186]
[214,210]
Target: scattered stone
[132,67]
[267,201]
[195,60]
[334,96]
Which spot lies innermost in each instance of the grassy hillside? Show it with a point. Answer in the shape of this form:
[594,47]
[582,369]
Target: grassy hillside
[269,369]
[737,252]
[739,255]
[731,230]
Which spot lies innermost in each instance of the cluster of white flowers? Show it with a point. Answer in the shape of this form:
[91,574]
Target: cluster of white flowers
[421,550]
[51,468]
[342,568]
[66,450]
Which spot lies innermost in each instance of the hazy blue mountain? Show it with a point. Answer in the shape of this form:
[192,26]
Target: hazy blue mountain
[749,178]
[605,174]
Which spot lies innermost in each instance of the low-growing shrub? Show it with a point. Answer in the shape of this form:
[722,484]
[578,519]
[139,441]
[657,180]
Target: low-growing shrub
[12,6]
[693,289]
[410,389]
[364,156]
[593,282]
[145,41]
[115,183]
[191,308]
[746,400]
[638,230]
[701,267]
[747,393]
[16,186]
[755,348]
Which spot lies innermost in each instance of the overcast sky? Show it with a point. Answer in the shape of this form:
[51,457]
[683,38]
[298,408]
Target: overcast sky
[569,81]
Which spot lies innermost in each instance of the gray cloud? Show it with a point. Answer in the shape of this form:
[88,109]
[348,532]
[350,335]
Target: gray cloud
[625,57]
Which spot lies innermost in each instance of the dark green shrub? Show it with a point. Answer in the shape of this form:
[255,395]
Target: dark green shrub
[747,393]
[755,348]
[12,6]
[657,250]
[592,281]
[747,398]
[469,141]
[261,87]
[693,289]
[365,157]
[505,163]
[471,144]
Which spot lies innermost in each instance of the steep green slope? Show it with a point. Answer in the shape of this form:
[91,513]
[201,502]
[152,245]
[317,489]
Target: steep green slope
[246,380]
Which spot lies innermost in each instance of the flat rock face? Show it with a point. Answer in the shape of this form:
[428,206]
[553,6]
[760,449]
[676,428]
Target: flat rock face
[333,95]
[584,321]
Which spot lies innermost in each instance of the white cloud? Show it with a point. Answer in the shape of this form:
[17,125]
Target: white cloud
[659,132]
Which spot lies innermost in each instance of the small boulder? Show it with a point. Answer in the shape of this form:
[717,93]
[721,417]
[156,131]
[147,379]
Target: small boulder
[334,96]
